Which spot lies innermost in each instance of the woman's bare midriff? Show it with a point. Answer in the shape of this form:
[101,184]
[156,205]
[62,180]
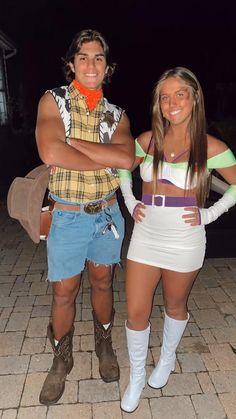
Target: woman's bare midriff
[166,189]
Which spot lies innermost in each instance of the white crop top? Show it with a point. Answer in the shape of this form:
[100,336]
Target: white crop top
[175,173]
[168,172]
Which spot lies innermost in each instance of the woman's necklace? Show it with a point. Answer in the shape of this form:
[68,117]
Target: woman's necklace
[174,157]
[175,154]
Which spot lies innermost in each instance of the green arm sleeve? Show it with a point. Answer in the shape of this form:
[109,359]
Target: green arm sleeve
[125,174]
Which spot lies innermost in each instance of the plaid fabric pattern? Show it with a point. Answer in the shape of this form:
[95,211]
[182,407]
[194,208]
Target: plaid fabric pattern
[83,186]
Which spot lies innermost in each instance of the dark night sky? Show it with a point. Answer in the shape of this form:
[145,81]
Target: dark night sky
[146,38]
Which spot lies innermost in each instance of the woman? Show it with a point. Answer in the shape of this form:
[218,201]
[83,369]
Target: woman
[168,239]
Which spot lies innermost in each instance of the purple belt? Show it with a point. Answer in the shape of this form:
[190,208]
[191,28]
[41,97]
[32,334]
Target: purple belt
[169,201]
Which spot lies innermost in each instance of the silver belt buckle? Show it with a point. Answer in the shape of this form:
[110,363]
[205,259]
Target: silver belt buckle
[93,208]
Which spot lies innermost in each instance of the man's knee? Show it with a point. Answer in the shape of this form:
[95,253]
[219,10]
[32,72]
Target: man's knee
[101,279]
[64,292]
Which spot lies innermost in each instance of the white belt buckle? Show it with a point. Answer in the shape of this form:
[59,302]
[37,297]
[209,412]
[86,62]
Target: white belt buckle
[163,200]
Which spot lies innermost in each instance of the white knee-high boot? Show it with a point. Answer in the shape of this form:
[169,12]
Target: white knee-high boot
[172,334]
[137,342]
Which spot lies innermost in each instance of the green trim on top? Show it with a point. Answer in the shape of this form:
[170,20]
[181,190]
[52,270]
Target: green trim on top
[138,150]
[222,160]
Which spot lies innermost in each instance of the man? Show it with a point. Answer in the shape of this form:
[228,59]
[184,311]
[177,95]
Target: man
[84,139]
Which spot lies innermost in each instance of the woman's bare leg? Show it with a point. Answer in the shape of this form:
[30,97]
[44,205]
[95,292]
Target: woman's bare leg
[176,289]
[141,282]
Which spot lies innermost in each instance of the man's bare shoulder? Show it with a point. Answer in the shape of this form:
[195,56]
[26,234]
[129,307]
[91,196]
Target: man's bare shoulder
[47,99]
[123,127]
[47,105]
[124,121]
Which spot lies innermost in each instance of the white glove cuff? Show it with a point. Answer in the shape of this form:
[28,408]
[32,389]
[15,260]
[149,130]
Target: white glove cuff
[129,198]
[131,205]
[208,215]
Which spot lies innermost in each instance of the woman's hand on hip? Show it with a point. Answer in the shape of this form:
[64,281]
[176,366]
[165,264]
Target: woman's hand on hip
[138,214]
[192,217]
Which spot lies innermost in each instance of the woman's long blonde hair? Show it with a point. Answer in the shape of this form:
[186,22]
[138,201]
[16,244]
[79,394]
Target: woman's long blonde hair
[197,131]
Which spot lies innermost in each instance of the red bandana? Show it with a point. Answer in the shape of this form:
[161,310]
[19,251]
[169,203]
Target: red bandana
[91,96]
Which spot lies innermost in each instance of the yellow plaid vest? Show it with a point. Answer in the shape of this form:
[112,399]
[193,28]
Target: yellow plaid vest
[90,185]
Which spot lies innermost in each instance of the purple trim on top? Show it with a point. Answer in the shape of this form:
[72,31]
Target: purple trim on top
[169,201]
[166,181]
[177,157]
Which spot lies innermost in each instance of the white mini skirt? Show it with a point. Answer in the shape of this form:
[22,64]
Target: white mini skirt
[164,240]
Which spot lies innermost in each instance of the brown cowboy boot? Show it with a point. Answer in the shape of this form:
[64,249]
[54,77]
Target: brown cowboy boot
[54,383]
[108,365]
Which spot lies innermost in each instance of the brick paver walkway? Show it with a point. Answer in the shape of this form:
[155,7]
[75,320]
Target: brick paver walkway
[203,385]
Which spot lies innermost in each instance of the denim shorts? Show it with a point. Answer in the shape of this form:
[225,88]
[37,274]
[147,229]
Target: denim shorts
[75,237]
